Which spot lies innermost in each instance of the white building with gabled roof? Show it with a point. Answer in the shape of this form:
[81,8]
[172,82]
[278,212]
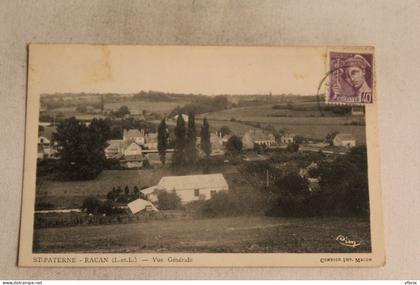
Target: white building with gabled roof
[346,140]
[189,187]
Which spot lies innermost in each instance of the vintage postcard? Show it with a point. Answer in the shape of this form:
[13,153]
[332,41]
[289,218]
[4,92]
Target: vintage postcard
[201,156]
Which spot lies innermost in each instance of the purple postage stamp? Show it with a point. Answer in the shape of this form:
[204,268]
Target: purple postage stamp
[350,78]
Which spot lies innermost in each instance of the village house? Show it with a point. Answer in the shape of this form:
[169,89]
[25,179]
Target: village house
[151,141]
[287,138]
[258,137]
[130,150]
[346,140]
[216,141]
[40,152]
[133,156]
[137,114]
[140,205]
[114,150]
[185,117]
[225,139]
[134,135]
[357,110]
[189,187]
[46,148]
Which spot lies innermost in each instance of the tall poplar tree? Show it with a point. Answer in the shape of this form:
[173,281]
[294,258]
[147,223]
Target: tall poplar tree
[191,150]
[162,140]
[205,138]
[180,141]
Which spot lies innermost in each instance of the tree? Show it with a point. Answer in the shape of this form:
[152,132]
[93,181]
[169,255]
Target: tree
[118,191]
[205,138]
[81,148]
[180,142]
[162,140]
[191,150]
[221,102]
[101,129]
[344,184]
[122,111]
[136,191]
[257,148]
[168,200]
[91,205]
[234,145]
[293,147]
[330,137]
[225,130]
[294,197]
[116,133]
[111,195]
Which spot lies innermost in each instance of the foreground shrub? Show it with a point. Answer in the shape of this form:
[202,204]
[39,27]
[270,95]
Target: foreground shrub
[222,204]
[93,205]
[343,189]
[168,200]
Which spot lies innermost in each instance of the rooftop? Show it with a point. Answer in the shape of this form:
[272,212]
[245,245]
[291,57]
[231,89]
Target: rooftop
[345,137]
[133,133]
[191,182]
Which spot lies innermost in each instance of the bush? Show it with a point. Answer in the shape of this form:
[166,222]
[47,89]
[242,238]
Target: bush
[112,164]
[343,189]
[221,204]
[294,197]
[168,200]
[91,205]
[293,147]
[234,145]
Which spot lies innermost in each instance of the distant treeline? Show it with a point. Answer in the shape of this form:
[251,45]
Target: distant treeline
[203,104]
[339,110]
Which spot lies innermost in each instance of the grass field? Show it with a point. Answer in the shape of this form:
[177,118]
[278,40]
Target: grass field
[242,113]
[70,194]
[234,234]
[305,123]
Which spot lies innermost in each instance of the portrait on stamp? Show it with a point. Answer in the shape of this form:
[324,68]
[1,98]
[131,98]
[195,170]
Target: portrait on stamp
[350,78]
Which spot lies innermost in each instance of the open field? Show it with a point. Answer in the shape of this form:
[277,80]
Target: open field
[161,107]
[70,194]
[310,130]
[242,113]
[103,183]
[305,123]
[235,234]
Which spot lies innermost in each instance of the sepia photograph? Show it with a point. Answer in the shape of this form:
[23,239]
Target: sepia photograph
[143,151]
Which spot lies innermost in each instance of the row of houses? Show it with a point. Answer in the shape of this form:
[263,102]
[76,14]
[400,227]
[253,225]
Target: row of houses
[267,139]
[134,149]
[137,146]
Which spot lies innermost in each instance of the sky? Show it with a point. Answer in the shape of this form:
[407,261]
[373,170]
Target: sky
[177,69]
